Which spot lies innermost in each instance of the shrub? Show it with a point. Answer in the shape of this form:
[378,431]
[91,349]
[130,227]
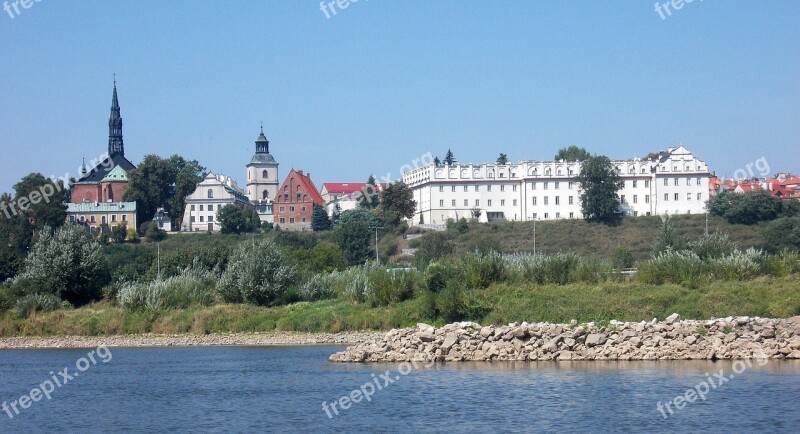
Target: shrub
[327,257]
[319,287]
[438,274]
[8,297]
[671,266]
[483,269]
[738,265]
[621,258]
[40,302]
[783,233]
[258,274]
[391,286]
[715,245]
[176,292]
[432,246]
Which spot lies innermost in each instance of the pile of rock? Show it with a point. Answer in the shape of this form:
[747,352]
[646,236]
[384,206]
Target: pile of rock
[671,339]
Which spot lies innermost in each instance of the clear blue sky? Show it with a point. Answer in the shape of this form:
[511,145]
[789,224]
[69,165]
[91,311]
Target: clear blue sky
[384,82]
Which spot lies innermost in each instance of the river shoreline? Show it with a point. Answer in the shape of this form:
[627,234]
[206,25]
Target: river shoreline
[189,340]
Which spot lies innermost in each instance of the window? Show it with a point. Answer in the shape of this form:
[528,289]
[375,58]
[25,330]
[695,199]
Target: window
[699,196]
[91,219]
[191,219]
[534,200]
[304,219]
[634,183]
[441,203]
[545,185]
[210,193]
[201,219]
[283,220]
[453,188]
[283,209]
[647,183]
[571,215]
[688,196]
[514,187]
[453,202]
[635,199]
[488,188]
[477,202]
[201,207]
[466,202]
[570,185]
[533,186]
[303,209]
[556,183]
[515,202]
[124,217]
[636,213]
[211,218]
[558,215]
[666,197]
[489,202]
[646,198]
[534,215]
[291,219]
[502,188]
[264,195]
[622,198]
[465,188]
[546,215]
[676,196]
[570,200]
[676,182]
[113,217]
[441,189]
[192,207]
[666,182]
[545,200]
[698,181]
[477,188]
[264,175]
[688,181]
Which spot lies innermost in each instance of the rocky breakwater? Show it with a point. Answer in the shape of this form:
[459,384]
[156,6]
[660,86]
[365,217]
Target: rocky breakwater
[671,339]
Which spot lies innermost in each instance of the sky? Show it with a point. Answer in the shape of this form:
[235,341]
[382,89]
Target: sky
[382,83]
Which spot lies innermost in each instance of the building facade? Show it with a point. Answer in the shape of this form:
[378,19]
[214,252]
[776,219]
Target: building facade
[676,182]
[295,202]
[262,179]
[102,216]
[108,179]
[211,194]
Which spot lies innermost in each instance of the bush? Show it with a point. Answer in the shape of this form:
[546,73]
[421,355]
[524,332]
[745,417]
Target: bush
[558,269]
[39,302]
[712,246]
[388,246]
[326,257]
[8,297]
[621,258]
[432,246]
[483,269]
[319,287]
[258,274]
[438,274]
[783,233]
[193,287]
[671,266]
[391,286]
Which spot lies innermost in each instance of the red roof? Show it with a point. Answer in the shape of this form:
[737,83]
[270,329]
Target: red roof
[348,187]
[306,183]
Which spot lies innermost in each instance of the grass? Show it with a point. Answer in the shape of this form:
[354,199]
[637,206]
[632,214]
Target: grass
[504,303]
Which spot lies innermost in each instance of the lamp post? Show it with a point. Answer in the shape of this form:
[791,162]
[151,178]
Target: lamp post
[534,236]
[376,227]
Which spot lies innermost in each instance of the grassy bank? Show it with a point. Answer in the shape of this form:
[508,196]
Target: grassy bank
[499,304]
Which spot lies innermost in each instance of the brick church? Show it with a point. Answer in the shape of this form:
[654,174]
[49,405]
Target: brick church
[108,180]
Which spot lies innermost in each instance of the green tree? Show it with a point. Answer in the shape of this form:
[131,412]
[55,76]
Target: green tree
[397,202]
[573,153]
[502,159]
[476,213]
[745,208]
[326,257]
[257,274]
[599,184]
[783,233]
[162,182]
[66,262]
[433,246]
[153,233]
[369,195]
[337,212]
[119,233]
[235,220]
[319,219]
[354,234]
[667,238]
[449,158]
[437,162]
[46,200]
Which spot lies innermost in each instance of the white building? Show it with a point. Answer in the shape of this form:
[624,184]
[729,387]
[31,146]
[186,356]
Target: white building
[262,179]
[674,183]
[211,194]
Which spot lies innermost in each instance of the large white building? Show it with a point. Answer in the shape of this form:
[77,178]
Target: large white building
[211,194]
[674,183]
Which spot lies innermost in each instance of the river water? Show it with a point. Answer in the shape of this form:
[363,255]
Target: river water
[282,389]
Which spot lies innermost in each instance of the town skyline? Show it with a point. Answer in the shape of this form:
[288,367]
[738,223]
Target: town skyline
[327,107]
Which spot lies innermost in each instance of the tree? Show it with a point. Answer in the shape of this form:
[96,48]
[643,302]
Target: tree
[66,262]
[152,232]
[502,159]
[164,182]
[397,202]
[354,234]
[369,194]
[437,162]
[783,233]
[476,213]
[573,153]
[667,238]
[599,182]
[47,199]
[258,274]
[745,208]
[119,233]
[326,257]
[449,158]
[337,212]
[235,220]
[319,219]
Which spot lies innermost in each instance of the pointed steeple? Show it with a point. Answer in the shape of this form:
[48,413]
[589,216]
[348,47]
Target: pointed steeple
[262,144]
[115,143]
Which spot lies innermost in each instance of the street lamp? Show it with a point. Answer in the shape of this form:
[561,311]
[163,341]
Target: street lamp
[376,227]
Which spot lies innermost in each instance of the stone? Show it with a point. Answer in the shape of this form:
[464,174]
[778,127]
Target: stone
[425,328]
[449,341]
[672,319]
[595,339]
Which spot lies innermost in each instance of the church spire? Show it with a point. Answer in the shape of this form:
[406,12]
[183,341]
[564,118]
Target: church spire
[115,144]
[262,144]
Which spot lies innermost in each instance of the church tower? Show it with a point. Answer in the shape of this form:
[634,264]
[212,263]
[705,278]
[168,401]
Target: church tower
[262,173]
[115,144]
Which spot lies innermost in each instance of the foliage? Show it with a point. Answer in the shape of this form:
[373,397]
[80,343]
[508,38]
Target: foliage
[599,183]
[387,246]
[318,287]
[193,286]
[572,153]
[686,267]
[483,243]
[49,211]
[369,194]
[502,159]
[745,208]
[449,158]
[714,245]
[481,269]
[476,213]
[157,182]
[235,220]
[783,233]
[153,233]
[119,233]
[558,269]
[621,258]
[460,226]
[326,257]
[258,274]
[438,274]
[433,246]
[667,238]
[39,302]
[397,202]
[66,262]
[353,234]
[319,219]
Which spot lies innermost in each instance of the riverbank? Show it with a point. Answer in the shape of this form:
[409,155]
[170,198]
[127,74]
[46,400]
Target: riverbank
[671,339]
[189,340]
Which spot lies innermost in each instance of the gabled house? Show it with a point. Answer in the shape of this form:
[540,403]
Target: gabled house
[295,202]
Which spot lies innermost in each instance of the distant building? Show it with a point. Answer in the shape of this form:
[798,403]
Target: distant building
[332,191]
[211,194]
[676,182]
[102,216]
[262,179]
[295,202]
[107,181]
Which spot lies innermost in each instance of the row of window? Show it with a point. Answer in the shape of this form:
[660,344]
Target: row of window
[210,219]
[678,197]
[114,218]
[547,215]
[677,180]
[291,209]
[571,185]
[208,207]
[570,199]
[291,220]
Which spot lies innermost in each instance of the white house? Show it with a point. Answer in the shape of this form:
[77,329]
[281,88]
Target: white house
[674,183]
[211,194]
